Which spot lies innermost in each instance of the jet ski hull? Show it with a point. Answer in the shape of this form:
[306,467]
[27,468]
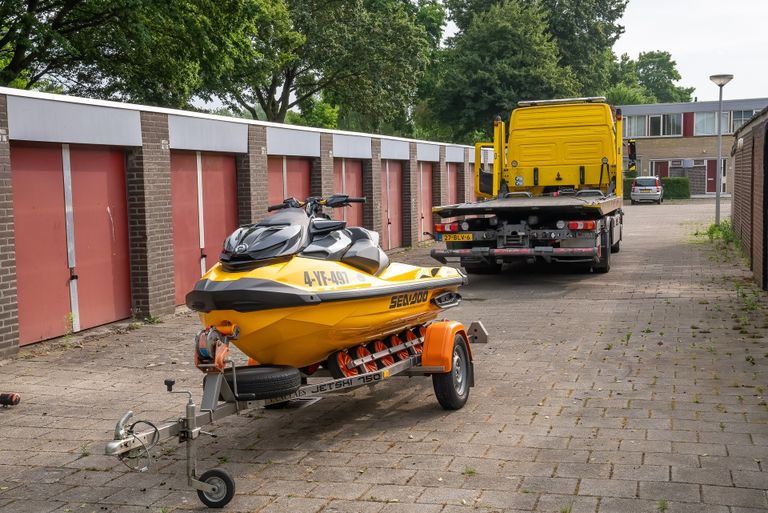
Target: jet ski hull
[298,312]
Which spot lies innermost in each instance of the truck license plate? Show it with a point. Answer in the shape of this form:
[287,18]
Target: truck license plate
[452,237]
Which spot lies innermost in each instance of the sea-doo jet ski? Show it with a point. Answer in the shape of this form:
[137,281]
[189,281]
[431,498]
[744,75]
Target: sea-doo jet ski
[299,286]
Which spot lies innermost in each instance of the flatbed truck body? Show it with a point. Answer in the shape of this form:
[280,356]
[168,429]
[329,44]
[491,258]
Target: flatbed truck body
[552,193]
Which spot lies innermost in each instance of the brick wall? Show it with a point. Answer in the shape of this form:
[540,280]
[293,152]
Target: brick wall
[439,185]
[321,174]
[148,176]
[741,208]
[758,204]
[252,177]
[372,188]
[9,322]
[410,217]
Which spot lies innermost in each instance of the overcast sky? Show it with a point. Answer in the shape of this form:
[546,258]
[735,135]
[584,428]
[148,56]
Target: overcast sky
[705,37]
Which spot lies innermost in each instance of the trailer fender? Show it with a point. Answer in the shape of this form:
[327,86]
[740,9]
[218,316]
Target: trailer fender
[438,344]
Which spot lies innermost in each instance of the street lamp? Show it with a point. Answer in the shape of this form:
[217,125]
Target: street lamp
[720,81]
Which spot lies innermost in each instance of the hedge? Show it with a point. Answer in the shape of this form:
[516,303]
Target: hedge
[675,187]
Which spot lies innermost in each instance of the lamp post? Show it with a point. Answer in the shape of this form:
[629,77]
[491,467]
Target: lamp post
[720,81]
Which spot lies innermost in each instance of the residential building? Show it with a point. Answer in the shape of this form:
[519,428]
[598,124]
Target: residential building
[680,139]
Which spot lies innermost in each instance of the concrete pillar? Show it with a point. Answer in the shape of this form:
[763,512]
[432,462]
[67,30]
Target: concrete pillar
[372,188]
[321,174]
[148,176]
[411,198]
[252,177]
[9,309]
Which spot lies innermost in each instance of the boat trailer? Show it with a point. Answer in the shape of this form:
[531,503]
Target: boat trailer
[443,351]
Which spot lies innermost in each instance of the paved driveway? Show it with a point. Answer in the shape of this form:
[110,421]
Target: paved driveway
[639,390]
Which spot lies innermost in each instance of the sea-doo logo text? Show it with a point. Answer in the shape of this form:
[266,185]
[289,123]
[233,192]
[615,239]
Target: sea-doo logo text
[413,298]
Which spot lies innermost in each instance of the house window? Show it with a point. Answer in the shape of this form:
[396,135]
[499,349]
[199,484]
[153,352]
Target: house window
[664,125]
[705,123]
[740,117]
[634,126]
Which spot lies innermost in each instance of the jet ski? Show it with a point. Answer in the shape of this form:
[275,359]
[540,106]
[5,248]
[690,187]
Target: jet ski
[298,287]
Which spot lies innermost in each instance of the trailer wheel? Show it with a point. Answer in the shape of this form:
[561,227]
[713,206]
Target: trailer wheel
[225,488]
[605,253]
[452,388]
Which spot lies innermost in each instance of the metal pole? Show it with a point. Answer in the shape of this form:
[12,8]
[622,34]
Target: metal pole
[719,177]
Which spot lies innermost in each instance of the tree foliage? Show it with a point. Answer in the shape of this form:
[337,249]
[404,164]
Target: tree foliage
[657,73]
[364,54]
[504,56]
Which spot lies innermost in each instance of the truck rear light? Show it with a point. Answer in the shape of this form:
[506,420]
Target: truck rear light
[446,227]
[581,225]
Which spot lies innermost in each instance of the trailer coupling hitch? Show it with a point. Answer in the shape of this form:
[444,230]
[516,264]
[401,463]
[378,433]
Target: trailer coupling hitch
[139,458]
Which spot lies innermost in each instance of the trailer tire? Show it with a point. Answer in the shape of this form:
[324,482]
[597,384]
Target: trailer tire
[265,381]
[452,388]
[225,488]
[605,253]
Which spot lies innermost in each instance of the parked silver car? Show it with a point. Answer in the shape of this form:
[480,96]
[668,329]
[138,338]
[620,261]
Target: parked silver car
[646,188]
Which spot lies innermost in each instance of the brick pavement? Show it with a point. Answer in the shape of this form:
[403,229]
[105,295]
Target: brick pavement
[640,390]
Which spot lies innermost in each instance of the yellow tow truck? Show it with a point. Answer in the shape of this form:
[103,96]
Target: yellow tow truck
[549,189]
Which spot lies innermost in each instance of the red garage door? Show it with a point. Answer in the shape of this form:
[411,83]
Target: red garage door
[42,273]
[219,203]
[425,199]
[287,177]
[348,179]
[101,235]
[90,181]
[203,191]
[391,204]
[453,183]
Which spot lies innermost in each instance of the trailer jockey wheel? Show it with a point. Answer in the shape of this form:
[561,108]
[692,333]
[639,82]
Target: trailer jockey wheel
[224,488]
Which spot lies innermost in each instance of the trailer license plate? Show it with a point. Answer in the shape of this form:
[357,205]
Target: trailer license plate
[452,237]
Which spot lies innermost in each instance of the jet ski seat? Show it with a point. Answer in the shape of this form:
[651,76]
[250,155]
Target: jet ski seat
[364,252]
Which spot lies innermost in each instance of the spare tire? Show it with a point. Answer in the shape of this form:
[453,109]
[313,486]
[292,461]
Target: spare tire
[265,381]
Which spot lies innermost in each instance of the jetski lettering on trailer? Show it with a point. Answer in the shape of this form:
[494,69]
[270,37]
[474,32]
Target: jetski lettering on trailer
[401,300]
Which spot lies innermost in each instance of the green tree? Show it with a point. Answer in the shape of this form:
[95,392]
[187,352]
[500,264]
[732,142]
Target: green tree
[585,31]
[148,51]
[623,94]
[364,54]
[657,73]
[504,56]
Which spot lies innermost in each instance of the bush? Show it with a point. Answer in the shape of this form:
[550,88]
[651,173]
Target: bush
[676,187]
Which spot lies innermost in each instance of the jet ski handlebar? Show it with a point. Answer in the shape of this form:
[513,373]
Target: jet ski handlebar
[314,204]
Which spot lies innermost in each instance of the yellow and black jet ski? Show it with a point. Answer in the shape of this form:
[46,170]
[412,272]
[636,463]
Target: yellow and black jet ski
[300,286]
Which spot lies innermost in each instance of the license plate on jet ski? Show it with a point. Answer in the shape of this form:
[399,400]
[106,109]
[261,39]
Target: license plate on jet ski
[452,237]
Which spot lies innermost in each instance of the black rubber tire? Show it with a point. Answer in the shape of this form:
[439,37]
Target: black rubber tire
[265,381]
[605,250]
[452,388]
[225,491]
[482,268]
[633,202]
[616,247]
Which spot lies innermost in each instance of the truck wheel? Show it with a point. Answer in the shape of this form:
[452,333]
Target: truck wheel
[493,268]
[452,388]
[616,247]
[605,253]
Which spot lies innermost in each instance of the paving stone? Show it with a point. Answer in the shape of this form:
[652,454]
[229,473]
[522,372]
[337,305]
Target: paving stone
[608,488]
[671,491]
[558,503]
[729,496]
[714,476]
[641,472]
[504,500]
[295,505]
[750,479]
